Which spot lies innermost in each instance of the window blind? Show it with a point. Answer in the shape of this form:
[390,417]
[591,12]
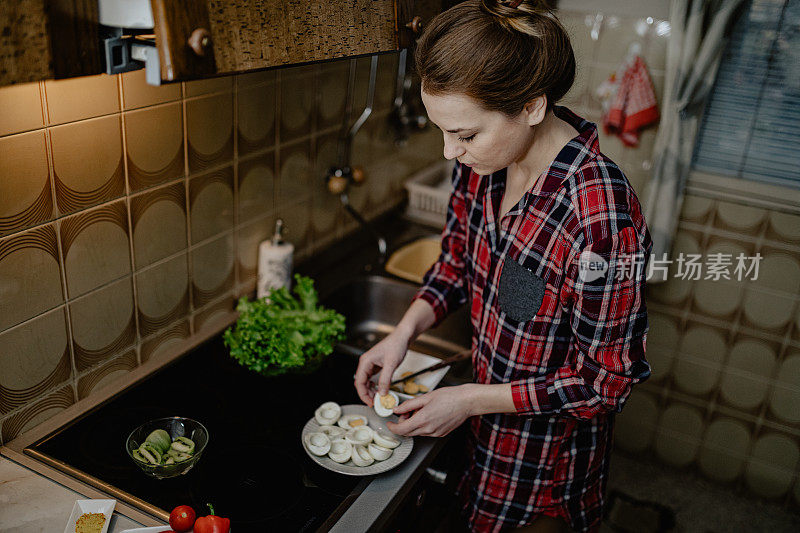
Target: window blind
[751,125]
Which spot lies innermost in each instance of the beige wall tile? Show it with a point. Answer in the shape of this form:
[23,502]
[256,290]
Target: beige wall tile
[255,78]
[79,98]
[162,293]
[154,138]
[211,204]
[206,317]
[162,341]
[212,269]
[256,118]
[332,94]
[34,358]
[209,123]
[99,378]
[211,85]
[159,223]
[326,209]
[37,413]
[295,180]
[95,247]
[297,224]
[30,275]
[297,105]
[25,193]
[137,93]
[256,187]
[103,324]
[20,108]
[87,163]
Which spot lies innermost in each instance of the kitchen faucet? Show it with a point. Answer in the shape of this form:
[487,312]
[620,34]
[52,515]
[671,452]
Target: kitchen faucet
[339,177]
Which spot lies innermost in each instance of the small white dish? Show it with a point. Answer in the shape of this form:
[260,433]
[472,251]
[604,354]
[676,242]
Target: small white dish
[414,362]
[106,507]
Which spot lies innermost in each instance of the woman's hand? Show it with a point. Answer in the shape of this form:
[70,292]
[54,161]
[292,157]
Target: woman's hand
[384,357]
[435,414]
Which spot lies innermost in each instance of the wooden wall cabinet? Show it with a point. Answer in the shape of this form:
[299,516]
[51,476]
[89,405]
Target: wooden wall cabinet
[42,39]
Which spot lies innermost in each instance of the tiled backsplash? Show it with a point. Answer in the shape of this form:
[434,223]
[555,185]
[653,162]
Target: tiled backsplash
[130,215]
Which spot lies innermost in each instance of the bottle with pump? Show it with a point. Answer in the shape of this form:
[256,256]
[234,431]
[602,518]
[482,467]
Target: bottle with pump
[274,262]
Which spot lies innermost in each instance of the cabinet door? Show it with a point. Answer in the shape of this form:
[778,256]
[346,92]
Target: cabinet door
[213,37]
[42,39]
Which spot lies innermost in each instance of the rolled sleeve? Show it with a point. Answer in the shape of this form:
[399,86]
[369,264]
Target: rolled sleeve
[444,285]
[609,324]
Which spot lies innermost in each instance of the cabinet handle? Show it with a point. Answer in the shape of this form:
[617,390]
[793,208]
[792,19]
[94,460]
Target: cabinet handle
[199,41]
[415,25]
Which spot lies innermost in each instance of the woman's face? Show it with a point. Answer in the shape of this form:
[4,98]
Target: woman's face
[485,140]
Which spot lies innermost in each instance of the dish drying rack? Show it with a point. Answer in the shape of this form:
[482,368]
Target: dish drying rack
[429,194]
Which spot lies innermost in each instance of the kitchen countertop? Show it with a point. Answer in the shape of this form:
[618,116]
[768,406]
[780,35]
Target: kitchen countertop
[30,502]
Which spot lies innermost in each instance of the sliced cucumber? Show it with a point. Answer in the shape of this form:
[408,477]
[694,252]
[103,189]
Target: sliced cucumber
[160,439]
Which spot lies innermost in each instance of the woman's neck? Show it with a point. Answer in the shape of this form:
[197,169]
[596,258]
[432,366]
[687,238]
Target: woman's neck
[548,138]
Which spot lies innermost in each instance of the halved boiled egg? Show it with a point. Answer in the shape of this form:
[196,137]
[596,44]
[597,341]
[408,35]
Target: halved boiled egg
[360,456]
[359,435]
[384,405]
[328,413]
[333,432]
[385,439]
[379,453]
[352,421]
[318,443]
[340,451]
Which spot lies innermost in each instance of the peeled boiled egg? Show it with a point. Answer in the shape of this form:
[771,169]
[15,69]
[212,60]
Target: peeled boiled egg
[385,439]
[360,456]
[340,451]
[379,453]
[352,421]
[333,432]
[359,435]
[328,413]
[384,405]
[318,443]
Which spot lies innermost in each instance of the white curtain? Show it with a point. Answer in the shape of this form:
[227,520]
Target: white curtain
[693,55]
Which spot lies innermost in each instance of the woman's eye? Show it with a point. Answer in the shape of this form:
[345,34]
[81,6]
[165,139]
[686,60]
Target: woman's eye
[467,139]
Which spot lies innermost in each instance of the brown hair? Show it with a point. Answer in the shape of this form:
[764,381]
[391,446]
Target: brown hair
[501,56]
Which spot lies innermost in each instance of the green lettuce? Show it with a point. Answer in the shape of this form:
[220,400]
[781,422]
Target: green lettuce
[284,333]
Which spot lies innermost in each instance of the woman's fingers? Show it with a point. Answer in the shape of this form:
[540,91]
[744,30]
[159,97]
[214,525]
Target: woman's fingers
[365,369]
[411,405]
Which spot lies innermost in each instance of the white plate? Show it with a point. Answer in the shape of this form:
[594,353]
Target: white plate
[90,506]
[414,362]
[399,455]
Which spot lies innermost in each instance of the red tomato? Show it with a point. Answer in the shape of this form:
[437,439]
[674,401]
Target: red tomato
[181,518]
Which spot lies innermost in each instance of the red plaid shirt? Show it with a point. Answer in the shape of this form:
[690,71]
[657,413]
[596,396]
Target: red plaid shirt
[575,344]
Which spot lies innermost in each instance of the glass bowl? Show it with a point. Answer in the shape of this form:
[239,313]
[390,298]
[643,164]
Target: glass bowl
[176,427]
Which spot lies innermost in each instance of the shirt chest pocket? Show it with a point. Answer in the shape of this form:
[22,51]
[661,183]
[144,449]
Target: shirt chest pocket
[521,291]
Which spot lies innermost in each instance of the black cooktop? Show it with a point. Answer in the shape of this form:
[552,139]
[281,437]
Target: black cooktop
[254,469]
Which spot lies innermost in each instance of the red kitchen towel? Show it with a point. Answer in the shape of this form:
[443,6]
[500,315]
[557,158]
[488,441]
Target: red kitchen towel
[634,106]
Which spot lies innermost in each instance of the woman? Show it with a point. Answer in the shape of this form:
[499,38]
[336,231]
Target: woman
[546,241]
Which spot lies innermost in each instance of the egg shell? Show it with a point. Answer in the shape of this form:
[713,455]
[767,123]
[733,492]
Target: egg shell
[328,413]
[379,407]
[361,435]
[379,453]
[318,443]
[385,439]
[340,451]
[361,457]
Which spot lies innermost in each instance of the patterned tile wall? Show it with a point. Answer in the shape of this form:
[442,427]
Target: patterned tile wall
[130,215]
[724,397]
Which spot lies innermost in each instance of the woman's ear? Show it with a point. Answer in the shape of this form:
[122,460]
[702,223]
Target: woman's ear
[535,110]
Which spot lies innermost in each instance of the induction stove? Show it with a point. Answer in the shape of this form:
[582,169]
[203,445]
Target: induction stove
[254,469]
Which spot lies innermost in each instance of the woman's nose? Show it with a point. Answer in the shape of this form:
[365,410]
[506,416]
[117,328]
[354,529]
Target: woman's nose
[452,149]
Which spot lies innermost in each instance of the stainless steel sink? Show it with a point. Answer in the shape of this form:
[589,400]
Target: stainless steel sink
[373,305]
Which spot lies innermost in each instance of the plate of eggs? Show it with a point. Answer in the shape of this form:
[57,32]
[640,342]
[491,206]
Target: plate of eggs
[354,439]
